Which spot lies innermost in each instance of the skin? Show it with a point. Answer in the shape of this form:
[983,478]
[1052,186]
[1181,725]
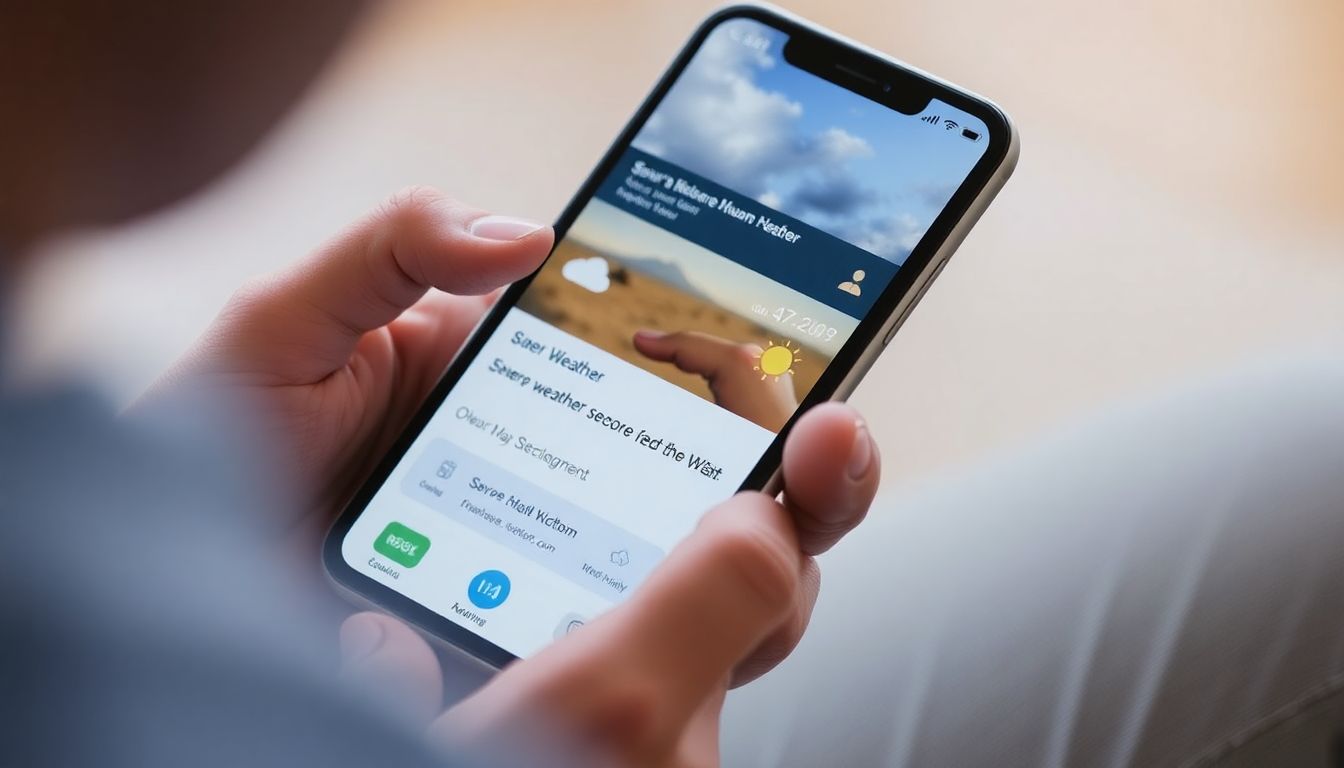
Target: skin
[338,349]
[334,352]
[731,371]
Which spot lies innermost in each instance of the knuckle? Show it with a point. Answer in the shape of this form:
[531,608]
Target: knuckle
[254,296]
[630,721]
[745,354]
[415,196]
[761,563]
[770,654]
[412,203]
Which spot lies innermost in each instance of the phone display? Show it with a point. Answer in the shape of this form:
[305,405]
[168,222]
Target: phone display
[728,263]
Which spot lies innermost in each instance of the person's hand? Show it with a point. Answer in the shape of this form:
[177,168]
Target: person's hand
[730,369]
[643,685]
[338,350]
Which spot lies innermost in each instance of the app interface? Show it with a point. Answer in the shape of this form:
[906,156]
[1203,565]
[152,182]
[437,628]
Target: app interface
[694,302]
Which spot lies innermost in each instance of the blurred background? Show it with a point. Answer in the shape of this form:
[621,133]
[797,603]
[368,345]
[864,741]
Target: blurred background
[1177,207]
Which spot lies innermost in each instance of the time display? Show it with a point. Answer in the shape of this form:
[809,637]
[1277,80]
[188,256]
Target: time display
[803,324]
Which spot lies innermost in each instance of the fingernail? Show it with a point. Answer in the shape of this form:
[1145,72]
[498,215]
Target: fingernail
[650,335]
[861,453]
[360,637]
[502,228]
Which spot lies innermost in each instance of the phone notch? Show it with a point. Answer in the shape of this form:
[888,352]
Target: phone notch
[868,76]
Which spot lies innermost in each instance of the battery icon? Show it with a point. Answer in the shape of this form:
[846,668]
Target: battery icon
[969,134]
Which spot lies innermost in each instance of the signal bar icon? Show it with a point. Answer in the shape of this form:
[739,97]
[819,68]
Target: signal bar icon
[951,125]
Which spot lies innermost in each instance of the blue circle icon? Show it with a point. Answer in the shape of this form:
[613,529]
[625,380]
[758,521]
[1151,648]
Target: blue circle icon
[489,589]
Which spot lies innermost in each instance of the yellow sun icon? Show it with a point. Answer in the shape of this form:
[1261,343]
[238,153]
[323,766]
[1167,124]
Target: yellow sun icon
[777,359]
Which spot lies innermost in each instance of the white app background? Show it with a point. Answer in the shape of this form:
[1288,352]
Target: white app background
[648,492]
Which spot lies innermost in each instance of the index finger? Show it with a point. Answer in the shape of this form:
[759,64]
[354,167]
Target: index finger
[367,276]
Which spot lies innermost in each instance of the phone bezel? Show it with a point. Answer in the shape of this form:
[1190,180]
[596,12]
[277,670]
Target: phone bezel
[832,383]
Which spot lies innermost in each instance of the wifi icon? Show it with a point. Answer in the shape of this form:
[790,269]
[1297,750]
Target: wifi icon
[950,125]
[931,119]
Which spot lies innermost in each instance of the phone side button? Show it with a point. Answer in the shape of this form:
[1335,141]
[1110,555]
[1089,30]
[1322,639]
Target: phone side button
[938,270]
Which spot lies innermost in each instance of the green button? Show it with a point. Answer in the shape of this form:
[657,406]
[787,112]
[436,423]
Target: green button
[399,543]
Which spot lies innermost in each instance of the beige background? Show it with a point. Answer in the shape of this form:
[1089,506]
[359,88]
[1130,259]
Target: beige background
[1177,207]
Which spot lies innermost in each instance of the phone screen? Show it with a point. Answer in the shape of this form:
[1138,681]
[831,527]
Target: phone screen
[697,297]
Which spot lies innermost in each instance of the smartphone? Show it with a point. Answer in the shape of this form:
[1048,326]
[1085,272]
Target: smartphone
[746,248]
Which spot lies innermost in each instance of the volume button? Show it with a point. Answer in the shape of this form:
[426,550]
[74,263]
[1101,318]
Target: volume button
[938,270]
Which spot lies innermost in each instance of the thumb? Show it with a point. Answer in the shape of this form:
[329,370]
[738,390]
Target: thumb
[302,323]
[640,681]
[383,659]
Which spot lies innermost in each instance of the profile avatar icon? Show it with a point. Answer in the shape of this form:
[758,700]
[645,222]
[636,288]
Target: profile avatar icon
[852,288]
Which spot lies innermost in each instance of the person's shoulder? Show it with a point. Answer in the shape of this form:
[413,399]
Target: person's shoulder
[153,611]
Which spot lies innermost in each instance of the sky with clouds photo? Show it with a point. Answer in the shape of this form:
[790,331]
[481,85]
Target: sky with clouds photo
[802,145]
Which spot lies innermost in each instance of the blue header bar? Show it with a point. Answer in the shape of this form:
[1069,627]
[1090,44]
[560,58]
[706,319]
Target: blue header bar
[739,228]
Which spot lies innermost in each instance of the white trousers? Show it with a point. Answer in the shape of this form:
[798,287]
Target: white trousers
[1162,586]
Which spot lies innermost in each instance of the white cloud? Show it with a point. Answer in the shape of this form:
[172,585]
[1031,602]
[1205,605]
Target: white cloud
[592,273]
[718,122]
[895,235]
[837,144]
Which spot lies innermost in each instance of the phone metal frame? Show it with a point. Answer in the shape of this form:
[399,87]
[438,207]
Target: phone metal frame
[839,379]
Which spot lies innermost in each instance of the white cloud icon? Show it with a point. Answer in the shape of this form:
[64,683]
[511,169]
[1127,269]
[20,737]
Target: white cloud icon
[591,273]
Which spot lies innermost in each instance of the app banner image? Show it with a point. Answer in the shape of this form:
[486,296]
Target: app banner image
[687,315]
